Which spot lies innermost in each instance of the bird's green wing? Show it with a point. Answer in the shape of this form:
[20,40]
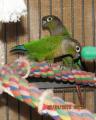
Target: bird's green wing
[43,49]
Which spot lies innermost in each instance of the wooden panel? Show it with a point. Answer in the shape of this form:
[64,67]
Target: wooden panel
[22,30]
[24,111]
[69,96]
[78,20]
[10,30]
[3,107]
[67,14]
[58,93]
[33,19]
[56,10]
[45,4]
[13,109]
[35,115]
[90,101]
[88,22]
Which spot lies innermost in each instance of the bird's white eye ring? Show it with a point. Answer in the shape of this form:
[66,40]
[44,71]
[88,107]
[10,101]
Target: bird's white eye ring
[77,49]
[49,19]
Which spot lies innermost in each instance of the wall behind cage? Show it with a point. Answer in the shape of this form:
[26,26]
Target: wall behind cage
[77,15]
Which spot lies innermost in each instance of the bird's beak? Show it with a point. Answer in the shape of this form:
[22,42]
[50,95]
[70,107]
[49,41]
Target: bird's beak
[44,23]
[77,56]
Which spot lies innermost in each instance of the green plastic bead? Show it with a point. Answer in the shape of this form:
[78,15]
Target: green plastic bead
[88,53]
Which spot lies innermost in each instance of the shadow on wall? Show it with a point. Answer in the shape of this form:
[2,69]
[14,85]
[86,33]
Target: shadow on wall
[9,37]
[11,31]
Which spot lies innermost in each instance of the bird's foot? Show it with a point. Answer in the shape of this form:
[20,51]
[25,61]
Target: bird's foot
[50,62]
[67,63]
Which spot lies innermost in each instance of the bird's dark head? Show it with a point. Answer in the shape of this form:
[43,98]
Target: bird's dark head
[76,49]
[73,48]
[50,22]
[53,24]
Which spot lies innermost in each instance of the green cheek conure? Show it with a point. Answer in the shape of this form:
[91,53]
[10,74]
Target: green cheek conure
[58,44]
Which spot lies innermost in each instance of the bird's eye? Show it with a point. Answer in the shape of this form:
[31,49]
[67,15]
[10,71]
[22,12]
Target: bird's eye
[77,49]
[49,19]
